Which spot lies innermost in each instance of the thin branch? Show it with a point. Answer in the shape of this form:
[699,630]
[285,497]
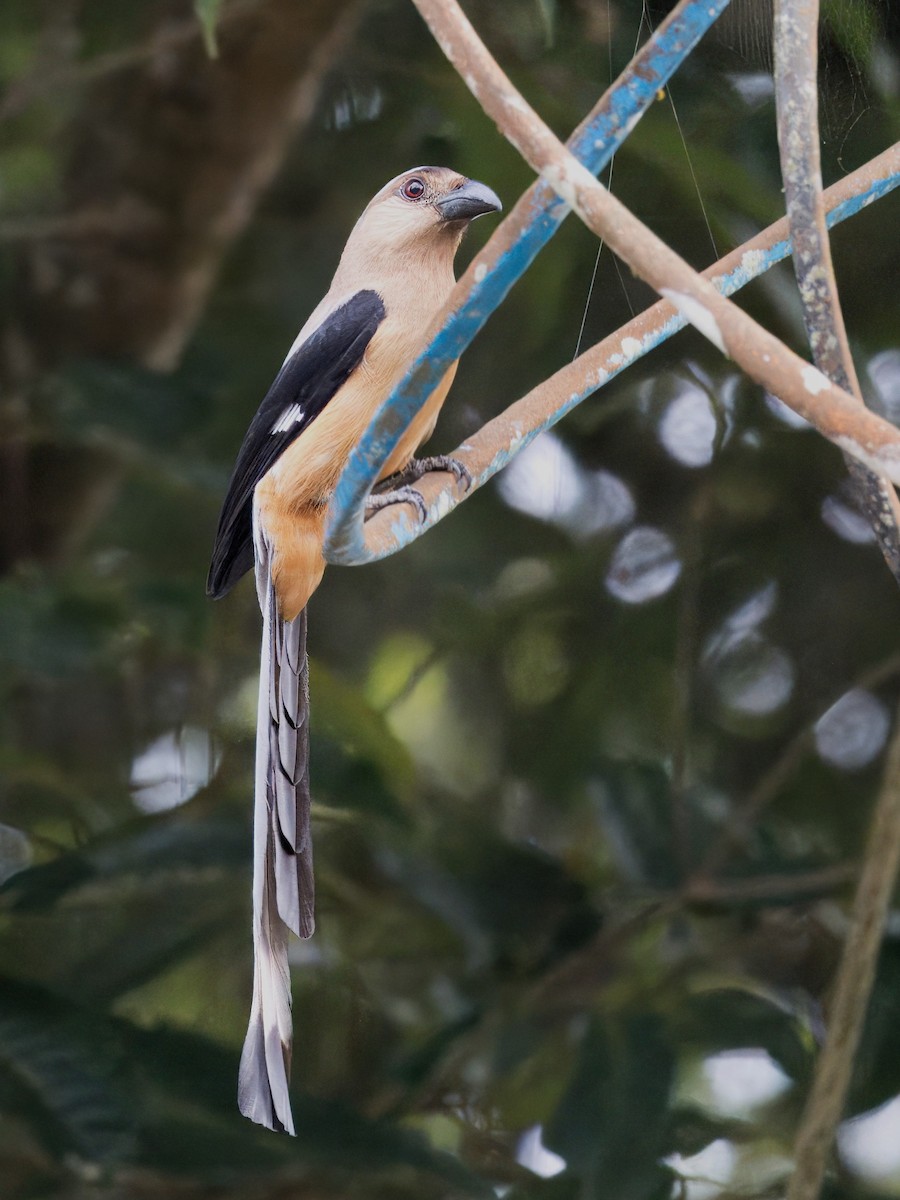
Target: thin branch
[783,887]
[852,988]
[492,447]
[124,220]
[797,104]
[163,40]
[686,638]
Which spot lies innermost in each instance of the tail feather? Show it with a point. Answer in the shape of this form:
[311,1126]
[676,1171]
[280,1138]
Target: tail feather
[289,767]
[282,856]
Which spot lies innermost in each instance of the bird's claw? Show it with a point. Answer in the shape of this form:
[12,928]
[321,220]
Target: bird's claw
[396,488]
[417,467]
[398,495]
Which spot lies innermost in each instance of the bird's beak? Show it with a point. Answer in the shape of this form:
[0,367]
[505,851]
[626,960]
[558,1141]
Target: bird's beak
[471,200]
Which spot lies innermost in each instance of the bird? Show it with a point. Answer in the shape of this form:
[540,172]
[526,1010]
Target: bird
[395,273]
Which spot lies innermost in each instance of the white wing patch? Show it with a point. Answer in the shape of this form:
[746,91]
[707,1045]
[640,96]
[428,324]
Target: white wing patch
[291,415]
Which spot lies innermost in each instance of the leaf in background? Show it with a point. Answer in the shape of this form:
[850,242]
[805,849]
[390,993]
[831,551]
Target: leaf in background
[56,628]
[635,812]
[547,10]
[342,712]
[729,1018]
[140,848]
[98,922]
[152,410]
[560,1187]
[61,1071]
[853,26]
[29,175]
[508,901]
[329,1133]
[15,852]
[875,1069]
[611,1124]
[727,181]
[208,14]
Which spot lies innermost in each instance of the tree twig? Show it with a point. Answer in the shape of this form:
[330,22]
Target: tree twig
[686,638]
[163,40]
[852,987]
[797,104]
[756,888]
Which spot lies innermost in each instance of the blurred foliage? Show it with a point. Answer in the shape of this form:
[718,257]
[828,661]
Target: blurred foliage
[548,944]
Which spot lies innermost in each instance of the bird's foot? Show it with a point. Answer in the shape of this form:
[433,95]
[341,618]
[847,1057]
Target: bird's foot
[417,467]
[397,495]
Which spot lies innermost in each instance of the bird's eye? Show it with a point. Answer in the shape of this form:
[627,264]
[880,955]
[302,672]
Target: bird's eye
[413,189]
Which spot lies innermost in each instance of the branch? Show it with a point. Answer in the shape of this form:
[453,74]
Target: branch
[797,101]
[852,988]
[165,39]
[781,888]
[491,274]
[834,412]
[184,148]
[506,257]
[489,450]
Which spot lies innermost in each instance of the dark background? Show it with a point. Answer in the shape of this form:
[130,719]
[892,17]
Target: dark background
[535,731]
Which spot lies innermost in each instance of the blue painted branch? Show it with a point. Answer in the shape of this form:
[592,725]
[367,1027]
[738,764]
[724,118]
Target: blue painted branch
[502,438]
[506,257]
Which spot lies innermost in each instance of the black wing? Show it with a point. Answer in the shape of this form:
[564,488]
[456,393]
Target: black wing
[304,385]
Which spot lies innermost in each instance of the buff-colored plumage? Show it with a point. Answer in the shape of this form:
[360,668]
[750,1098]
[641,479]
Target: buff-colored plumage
[404,254]
[396,272]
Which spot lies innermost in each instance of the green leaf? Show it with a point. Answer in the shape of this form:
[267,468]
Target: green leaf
[730,1019]
[853,26]
[342,712]
[874,1073]
[507,901]
[636,815]
[61,1069]
[140,848]
[147,408]
[15,852]
[329,1133]
[611,1124]
[164,887]
[208,14]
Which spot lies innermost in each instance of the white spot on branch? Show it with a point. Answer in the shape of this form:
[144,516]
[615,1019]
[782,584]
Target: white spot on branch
[556,176]
[696,314]
[885,461]
[814,381]
[516,102]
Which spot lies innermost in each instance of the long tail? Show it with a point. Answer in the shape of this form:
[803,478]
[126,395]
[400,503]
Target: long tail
[282,853]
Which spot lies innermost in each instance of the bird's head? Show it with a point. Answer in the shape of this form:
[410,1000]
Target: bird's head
[423,211]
